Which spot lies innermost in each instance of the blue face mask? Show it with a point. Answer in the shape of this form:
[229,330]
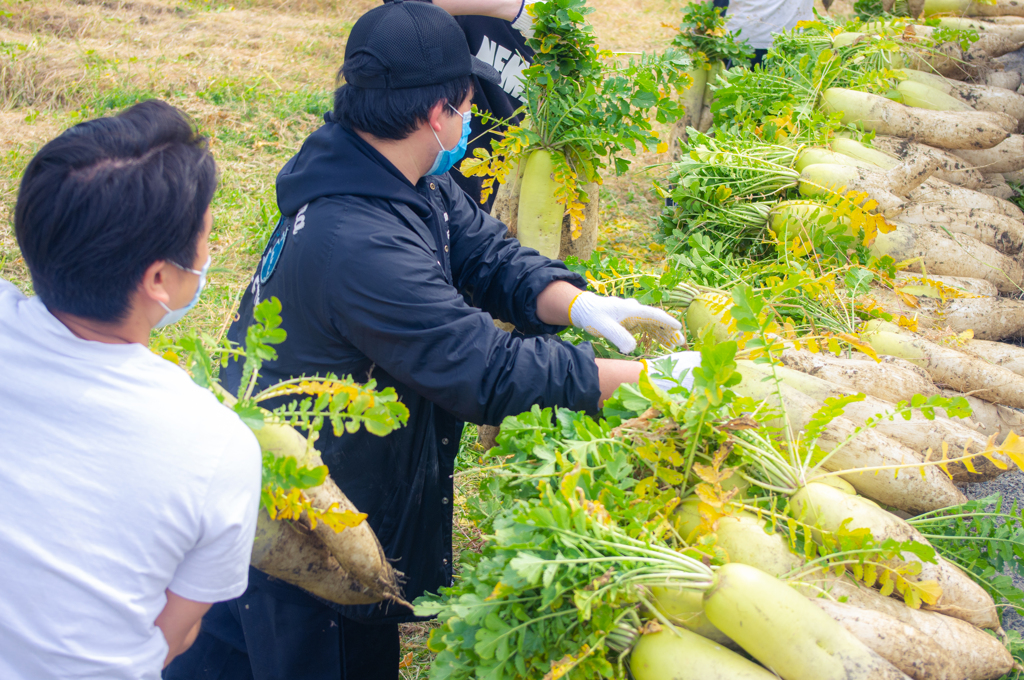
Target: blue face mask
[175,315]
[447,159]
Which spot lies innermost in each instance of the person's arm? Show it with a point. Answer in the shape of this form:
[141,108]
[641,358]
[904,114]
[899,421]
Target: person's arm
[553,308]
[499,9]
[180,621]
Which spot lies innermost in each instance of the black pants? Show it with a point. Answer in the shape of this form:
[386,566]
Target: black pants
[260,636]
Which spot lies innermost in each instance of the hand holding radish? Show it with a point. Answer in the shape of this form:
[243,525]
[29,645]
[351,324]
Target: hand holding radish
[616,319]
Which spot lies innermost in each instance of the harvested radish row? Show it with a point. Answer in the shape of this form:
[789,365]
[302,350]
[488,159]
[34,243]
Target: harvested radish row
[746,539]
[913,487]
[1008,356]
[952,130]
[973,9]
[989,98]
[936,191]
[989,318]
[886,380]
[1001,232]
[933,251]
[991,419]
[918,433]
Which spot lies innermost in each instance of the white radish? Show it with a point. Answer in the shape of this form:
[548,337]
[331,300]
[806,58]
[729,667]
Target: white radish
[744,539]
[927,97]
[1008,356]
[1002,233]
[886,380]
[973,9]
[988,98]
[825,507]
[918,433]
[786,632]
[934,251]
[682,655]
[926,78]
[935,190]
[991,419]
[1007,156]
[996,186]
[912,488]
[960,130]
[952,168]
[951,368]
[902,645]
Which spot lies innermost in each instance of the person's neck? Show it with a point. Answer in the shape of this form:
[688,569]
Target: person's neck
[399,152]
[125,333]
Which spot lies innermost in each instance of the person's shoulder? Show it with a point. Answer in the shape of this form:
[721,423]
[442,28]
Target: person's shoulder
[10,296]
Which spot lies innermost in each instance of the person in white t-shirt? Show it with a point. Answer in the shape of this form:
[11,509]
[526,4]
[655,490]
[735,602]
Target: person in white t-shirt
[129,494]
[757,21]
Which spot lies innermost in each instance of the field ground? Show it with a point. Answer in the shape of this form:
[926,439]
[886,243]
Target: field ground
[256,76]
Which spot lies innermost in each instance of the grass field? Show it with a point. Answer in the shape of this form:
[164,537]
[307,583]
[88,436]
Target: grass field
[256,76]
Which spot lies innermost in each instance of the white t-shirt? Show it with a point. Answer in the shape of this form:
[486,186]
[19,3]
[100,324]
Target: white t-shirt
[119,478]
[757,20]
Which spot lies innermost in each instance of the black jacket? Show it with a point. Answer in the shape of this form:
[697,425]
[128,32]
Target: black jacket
[382,279]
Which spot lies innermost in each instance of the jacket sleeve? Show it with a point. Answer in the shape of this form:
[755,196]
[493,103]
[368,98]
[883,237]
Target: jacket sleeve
[389,297]
[496,274]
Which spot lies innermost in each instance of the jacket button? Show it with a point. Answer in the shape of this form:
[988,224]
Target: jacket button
[445,441]
[446,249]
[444,500]
[444,561]
[432,186]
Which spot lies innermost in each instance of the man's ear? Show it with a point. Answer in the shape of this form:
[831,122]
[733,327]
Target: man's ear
[154,282]
[434,117]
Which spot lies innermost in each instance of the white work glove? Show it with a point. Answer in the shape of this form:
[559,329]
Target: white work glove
[616,319]
[524,22]
[679,365]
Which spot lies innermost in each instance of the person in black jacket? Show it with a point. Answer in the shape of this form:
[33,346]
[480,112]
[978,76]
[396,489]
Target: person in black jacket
[387,271]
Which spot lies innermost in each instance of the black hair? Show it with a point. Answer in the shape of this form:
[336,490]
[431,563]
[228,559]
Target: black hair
[388,113]
[105,200]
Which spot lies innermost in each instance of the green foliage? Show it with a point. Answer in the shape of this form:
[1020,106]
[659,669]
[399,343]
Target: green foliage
[342,402]
[583,103]
[983,537]
[702,33]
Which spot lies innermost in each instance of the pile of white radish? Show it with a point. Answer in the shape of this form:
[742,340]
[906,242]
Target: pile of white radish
[769,611]
[940,167]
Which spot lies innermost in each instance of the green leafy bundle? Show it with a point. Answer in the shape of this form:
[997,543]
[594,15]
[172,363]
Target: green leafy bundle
[703,34]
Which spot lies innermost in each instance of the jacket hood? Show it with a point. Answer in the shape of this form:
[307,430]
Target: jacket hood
[334,161]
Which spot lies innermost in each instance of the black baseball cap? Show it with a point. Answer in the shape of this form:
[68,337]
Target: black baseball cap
[418,44]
